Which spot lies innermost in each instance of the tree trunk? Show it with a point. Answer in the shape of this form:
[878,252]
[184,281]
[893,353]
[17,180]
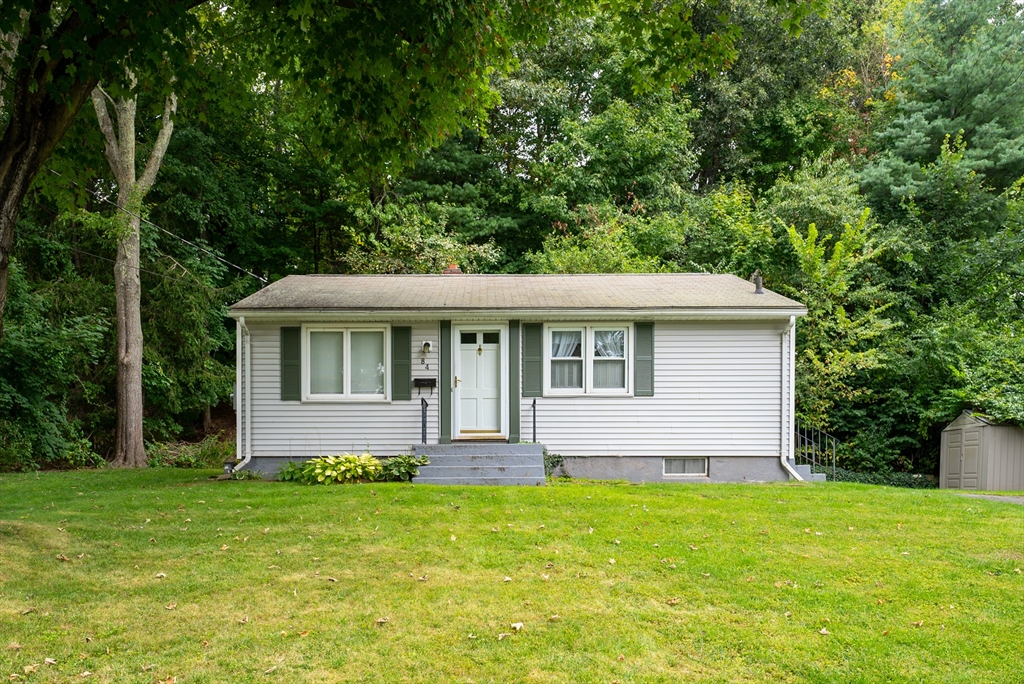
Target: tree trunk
[129,447]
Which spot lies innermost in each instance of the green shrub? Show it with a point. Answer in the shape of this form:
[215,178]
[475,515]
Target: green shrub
[551,461]
[212,452]
[908,480]
[344,468]
[402,468]
[291,472]
[247,474]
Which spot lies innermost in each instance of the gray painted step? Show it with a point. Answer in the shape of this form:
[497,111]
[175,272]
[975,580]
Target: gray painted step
[478,449]
[529,481]
[482,463]
[805,472]
[484,460]
[493,470]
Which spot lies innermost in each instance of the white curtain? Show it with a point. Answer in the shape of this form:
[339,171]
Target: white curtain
[566,343]
[327,362]
[610,343]
[566,359]
[609,374]
[367,362]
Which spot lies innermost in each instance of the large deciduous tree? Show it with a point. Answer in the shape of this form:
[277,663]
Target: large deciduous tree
[119,136]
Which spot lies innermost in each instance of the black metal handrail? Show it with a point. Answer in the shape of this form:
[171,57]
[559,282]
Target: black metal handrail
[423,419]
[814,447]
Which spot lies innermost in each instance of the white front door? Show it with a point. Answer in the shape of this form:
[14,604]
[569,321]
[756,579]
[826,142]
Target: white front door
[478,399]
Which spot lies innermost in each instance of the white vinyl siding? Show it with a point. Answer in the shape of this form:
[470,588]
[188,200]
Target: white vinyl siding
[717,392]
[308,429]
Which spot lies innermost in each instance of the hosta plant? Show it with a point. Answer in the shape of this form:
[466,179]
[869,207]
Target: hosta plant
[403,468]
[341,469]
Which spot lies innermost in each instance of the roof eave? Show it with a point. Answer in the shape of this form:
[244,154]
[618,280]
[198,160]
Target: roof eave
[675,314]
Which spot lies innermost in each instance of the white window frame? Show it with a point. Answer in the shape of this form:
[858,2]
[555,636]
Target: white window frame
[666,459]
[347,396]
[588,388]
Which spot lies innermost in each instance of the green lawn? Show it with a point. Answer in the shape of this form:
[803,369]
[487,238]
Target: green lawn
[110,572]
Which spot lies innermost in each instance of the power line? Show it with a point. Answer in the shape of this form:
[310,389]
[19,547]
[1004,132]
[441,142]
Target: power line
[114,261]
[101,198]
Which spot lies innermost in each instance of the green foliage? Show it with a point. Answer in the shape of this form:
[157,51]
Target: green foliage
[292,471]
[42,356]
[341,469]
[598,248]
[905,480]
[402,468]
[551,462]
[247,474]
[959,69]
[212,452]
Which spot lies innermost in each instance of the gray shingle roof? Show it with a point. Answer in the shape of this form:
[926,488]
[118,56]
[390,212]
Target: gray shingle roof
[475,293]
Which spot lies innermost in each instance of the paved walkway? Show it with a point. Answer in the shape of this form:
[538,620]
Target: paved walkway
[996,497]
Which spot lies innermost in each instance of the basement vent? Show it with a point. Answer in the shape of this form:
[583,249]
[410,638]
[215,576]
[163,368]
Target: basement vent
[687,467]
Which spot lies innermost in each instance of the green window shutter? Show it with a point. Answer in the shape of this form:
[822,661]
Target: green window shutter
[291,364]
[533,360]
[643,360]
[444,385]
[401,363]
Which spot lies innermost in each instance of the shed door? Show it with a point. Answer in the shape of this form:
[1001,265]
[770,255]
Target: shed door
[971,458]
[954,447]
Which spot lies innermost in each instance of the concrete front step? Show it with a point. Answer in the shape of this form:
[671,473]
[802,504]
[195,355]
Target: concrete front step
[482,463]
[500,481]
[805,472]
[478,449]
[484,460]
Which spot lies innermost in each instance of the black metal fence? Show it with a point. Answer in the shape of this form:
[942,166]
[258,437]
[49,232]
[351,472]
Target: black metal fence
[815,448]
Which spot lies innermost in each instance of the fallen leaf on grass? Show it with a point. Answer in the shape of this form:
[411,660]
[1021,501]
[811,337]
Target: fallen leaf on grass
[14,646]
[244,620]
[453,537]
[554,618]
[421,579]
[692,547]
[617,541]
[331,579]
[507,579]
[28,610]
[472,636]
[14,676]
[62,557]
[381,621]
[919,623]
[611,561]
[824,631]
[503,635]
[304,634]
[171,606]
[29,669]
[673,601]
[170,680]
[706,574]
[147,668]
[81,555]
[225,547]
[885,633]
[516,626]
[161,575]
[1017,570]
[750,579]
[270,669]
[788,614]
[86,674]
[49,661]
[545,577]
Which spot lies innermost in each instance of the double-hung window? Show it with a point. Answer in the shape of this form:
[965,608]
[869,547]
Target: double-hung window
[587,359]
[345,363]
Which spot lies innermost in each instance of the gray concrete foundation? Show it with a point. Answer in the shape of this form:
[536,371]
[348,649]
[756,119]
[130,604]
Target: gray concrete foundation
[651,469]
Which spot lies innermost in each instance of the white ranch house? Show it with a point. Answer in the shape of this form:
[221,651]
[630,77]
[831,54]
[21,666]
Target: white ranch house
[648,377]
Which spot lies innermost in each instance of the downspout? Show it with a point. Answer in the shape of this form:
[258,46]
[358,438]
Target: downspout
[788,380]
[245,396]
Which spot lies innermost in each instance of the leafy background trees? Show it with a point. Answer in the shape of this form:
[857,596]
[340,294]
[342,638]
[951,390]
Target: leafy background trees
[870,165]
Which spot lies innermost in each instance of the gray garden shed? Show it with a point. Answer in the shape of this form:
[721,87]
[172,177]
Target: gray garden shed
[979,454]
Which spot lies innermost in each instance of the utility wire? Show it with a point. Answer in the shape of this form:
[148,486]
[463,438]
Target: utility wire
[114,261]
[101,198]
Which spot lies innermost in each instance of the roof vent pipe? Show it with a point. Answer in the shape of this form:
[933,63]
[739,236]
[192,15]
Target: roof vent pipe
[755,278]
